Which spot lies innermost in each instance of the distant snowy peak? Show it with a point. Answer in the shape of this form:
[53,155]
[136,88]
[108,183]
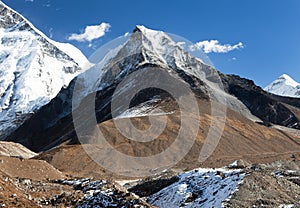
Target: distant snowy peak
[284,86]
[33,68]
[288,80]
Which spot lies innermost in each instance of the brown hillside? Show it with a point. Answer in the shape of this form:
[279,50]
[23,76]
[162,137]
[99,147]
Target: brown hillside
[241,139]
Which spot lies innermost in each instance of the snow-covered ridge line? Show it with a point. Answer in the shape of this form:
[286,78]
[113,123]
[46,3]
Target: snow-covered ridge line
[284,86]
[67,48]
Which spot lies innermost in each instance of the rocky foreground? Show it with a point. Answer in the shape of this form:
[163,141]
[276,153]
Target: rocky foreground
[36,183]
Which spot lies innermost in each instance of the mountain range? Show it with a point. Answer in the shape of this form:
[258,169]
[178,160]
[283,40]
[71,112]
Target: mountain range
[39,82]
[155,49]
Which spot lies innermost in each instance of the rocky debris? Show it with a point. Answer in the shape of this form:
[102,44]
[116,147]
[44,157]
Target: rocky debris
[238,164]
[269,185]
[63,199]
[239,184]
[22,192]
[40,194]
[102,193]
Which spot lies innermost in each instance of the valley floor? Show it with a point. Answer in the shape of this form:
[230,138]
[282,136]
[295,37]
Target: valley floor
[36,183]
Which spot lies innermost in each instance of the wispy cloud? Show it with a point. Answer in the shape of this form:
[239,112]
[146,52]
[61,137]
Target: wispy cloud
[46,5]
[29,0]
[213,46]
[91,33]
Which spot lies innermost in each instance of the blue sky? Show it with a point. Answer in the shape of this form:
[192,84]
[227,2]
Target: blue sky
[269,30]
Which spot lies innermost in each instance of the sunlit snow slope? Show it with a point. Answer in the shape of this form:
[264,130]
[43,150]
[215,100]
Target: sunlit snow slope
[33,68]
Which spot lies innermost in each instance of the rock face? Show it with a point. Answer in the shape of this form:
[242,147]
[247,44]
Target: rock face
[284,86]
[33,69]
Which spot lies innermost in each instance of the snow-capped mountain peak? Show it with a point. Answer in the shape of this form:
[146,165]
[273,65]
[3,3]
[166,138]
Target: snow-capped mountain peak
[155,47]
[33,68]
[284,86]
[288,80]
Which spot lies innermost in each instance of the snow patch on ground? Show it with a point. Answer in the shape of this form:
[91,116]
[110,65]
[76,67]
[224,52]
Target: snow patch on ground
[199,188]
[144,109]
[287,206]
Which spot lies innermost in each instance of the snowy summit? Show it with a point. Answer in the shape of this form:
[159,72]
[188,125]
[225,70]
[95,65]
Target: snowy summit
[284,86]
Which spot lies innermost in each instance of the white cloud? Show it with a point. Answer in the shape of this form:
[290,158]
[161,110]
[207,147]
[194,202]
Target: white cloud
[91,33]
[29,0]
[209,46]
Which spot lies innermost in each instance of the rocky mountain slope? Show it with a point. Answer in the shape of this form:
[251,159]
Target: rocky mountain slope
[33,69]
[284,86]
[256,143]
